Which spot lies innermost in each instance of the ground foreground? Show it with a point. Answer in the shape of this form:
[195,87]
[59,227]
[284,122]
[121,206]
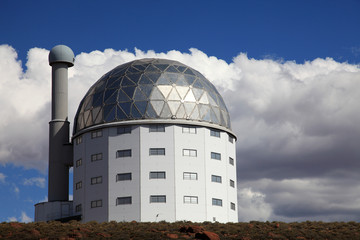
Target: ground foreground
[180,230]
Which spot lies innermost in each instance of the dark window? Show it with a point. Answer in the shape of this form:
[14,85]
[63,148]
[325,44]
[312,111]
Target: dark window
[191,130]
[231,161]
[190,176]
[78,185]
[157,175]
[232,206]
[214,133]
[96,180]
[123,200]
[231,139]
[215,178]
[156,128]
[96,134]
[123,177]
[78,140]
[157,151]
[189,152]
[123,153]
[78,162]
[96,203]
[124,130]
[78,208]
[216,202]
[157,199]
[191,199]
[96,157]
[215,155]
[232,183]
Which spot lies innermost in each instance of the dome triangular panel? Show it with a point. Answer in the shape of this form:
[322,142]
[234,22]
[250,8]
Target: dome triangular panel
[151,89]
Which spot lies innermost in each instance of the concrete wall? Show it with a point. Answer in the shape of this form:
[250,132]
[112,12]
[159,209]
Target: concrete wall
[141,187]
[131,164]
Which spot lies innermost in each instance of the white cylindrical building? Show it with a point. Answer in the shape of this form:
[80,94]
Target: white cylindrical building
[152,141]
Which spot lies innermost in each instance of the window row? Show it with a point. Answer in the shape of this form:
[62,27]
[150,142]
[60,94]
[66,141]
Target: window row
[152,152]
[153,175]
[156,199]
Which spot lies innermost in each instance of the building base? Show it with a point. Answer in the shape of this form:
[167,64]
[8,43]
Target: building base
[55,211]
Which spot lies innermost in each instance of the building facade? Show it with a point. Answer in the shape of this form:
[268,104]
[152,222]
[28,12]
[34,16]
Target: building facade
[152,141]
[154,172]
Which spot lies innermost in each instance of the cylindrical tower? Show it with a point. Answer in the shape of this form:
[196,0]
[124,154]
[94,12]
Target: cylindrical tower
[60,150]
[152,142]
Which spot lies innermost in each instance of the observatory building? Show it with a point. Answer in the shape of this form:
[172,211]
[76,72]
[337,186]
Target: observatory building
[151,141]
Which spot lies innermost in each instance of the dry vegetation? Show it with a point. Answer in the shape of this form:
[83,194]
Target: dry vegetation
[180,230]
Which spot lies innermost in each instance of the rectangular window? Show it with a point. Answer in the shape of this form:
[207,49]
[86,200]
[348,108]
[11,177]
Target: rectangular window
[189,152]
[96,134]
[214,133]
[157,151]
[215,178]
[78,185]
[232,206]
[123,177]
[231,139]
[78,162]
[123,153]
[157,175]
[216,202]
[232,183]
[157,128]
[190,176]
[157,199]
[78,140]
[191,130]
[231,161]
[215,155]
[96,180]
[124,130]
[123,200]
[96,203]
[190,199]
[96,157]
[78,208]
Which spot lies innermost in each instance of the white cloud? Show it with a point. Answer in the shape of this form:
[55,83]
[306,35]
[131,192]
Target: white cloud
[25,218]
[252,206]
[302,199]
[2,178]
[45,199]
[37,181]
[294,122]
[12,219]
[27,104]
[15,189]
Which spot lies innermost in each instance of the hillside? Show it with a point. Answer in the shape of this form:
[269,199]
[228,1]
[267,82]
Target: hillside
[180,230]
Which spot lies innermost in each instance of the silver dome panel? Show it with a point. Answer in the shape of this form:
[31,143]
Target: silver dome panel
[151,89]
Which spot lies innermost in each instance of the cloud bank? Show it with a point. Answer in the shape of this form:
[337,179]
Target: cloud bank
[297,125]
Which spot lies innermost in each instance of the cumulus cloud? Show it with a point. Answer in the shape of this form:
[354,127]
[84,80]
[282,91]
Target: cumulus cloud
[37,181]
[25,218]
[25,108]
[317,199]
[296,123]
[252,206]
[2,178]
[12,219]
[15,189]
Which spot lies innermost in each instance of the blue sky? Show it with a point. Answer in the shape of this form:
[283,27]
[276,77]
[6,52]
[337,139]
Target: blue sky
[316,42]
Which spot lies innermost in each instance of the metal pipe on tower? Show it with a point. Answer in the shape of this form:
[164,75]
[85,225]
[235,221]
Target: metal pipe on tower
[61,58]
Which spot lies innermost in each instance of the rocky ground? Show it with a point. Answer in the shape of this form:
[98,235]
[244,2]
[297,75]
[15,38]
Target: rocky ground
[180,230]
